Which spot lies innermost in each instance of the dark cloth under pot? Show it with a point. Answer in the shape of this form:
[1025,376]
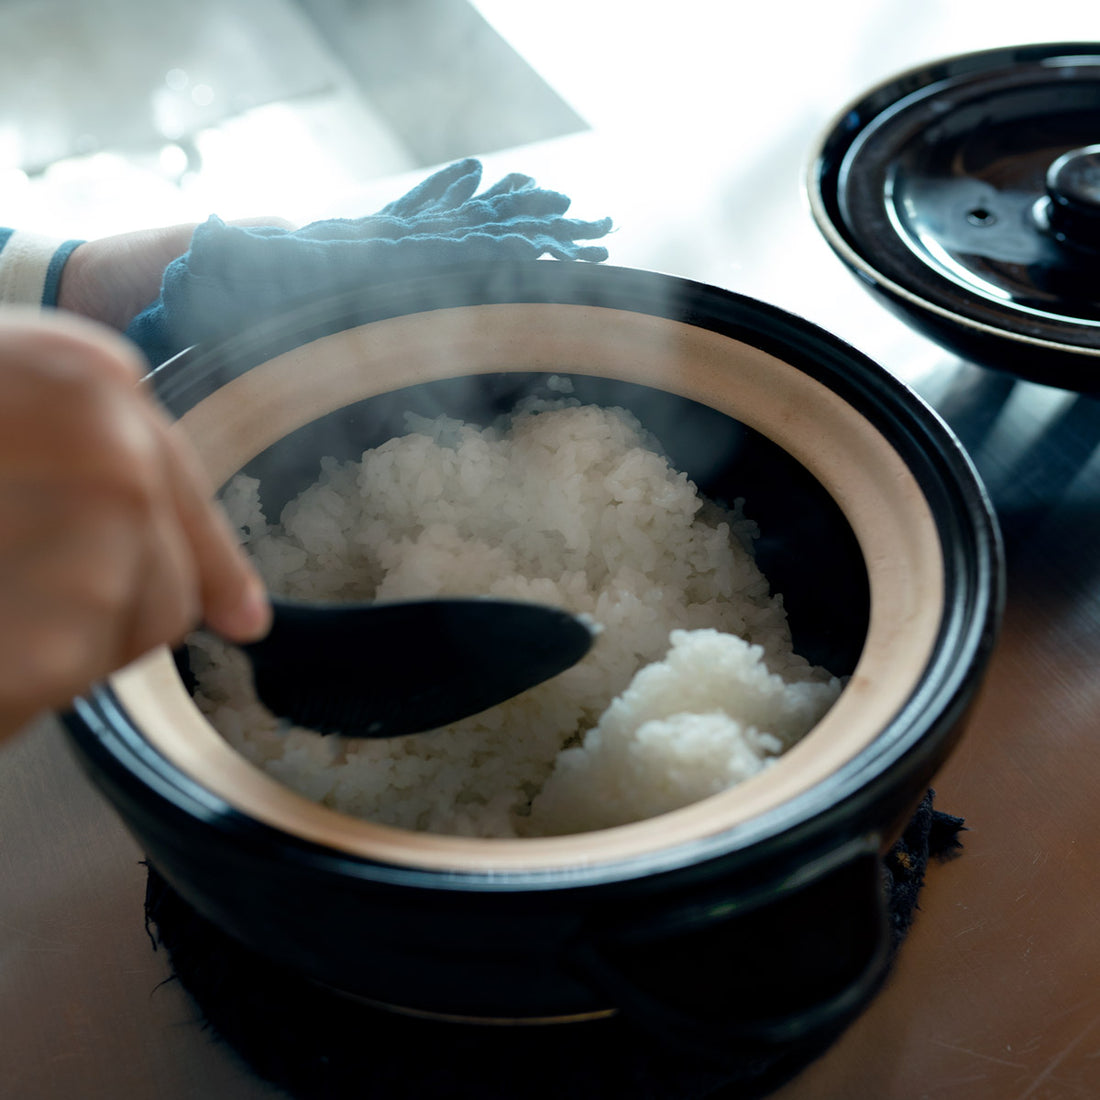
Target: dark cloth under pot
[319,1045]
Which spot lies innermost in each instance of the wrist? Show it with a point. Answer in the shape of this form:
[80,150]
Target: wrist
[112,279]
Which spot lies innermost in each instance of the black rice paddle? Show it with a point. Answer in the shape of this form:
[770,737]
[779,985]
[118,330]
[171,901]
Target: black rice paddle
[387,669]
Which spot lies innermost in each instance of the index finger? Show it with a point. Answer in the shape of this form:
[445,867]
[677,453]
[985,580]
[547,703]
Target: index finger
[234,599]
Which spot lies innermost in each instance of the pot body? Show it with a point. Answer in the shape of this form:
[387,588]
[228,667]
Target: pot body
[754,931]
[755,948]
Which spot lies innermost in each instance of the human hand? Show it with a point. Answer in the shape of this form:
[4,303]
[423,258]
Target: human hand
[114,278]
[109,542]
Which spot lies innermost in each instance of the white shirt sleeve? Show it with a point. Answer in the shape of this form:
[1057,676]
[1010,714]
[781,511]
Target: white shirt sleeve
[30,267]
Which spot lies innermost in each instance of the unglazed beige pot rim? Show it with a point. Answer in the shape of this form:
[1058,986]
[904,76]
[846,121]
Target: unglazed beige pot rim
[861,469]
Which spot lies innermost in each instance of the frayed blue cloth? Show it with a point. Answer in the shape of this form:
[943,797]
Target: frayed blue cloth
[234,274]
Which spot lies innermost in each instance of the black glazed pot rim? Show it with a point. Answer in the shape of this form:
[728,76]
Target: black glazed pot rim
[853,800]
[907,201]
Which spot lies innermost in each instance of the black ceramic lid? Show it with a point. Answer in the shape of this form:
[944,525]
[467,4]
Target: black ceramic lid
[967,194]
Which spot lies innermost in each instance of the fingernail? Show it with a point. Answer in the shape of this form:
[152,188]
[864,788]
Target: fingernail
[253,613]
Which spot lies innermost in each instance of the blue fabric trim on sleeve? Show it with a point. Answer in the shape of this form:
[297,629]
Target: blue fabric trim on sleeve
[5,236]
[53,272]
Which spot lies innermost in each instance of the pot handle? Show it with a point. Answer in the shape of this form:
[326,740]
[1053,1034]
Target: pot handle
[670,1011]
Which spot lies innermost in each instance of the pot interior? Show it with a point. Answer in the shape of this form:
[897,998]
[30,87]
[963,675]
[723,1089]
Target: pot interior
[847,535]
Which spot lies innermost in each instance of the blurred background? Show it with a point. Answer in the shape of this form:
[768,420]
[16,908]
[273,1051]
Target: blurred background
[690,124]
[122,112]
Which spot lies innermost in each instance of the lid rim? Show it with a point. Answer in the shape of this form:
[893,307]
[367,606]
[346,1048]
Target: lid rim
[915,285]
[862,266]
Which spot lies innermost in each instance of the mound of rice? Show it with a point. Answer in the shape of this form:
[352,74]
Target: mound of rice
[692,685]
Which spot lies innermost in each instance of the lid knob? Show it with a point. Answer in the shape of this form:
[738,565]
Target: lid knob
[1073,205]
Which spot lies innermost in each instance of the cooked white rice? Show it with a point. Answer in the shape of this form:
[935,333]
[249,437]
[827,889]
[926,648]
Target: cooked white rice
[566,504]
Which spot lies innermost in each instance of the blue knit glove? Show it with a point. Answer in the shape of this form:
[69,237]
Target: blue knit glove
[234,274]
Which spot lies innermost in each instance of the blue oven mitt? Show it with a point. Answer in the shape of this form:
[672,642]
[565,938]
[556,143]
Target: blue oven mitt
[233,274]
